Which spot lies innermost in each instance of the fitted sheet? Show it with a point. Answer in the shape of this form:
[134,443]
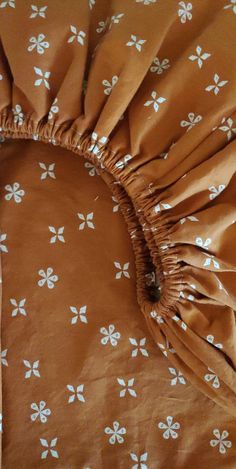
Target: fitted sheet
[145,93]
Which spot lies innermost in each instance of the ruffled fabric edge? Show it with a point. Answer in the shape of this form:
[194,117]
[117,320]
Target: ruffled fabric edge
[150,231]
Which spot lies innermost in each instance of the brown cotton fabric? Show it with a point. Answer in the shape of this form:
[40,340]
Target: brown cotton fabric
[117,180]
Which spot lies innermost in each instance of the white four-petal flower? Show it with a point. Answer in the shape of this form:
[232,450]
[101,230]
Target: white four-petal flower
[58,234]
[50,448]
[33,369]
[155,101]
[48,170]
[137,43]
[18,114]
[81,314]
[78,35]
[44,76]
[139,460]
[19,307]
[200,56]
[139,347]
[217,84]
[38,11]
[127,387]
[78,392]
[86,220]
[123,270]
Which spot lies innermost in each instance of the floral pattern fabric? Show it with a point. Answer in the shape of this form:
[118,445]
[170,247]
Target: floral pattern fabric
[117,218]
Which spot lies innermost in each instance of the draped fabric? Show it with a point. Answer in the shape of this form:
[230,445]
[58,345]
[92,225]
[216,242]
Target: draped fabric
[118,124]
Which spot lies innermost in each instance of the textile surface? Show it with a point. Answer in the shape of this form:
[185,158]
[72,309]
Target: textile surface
[117,180]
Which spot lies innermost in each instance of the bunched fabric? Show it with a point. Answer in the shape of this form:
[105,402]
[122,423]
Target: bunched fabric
[145,91]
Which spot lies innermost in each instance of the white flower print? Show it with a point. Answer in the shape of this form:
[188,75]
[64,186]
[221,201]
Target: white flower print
[1,423]
[3,237]
[221,441]
[177,319]
[4,357]
[47,278]
[123,270]
[217,84]
[58,234]
[158,208]
[95,147]
[92,170]
[38,11]
[189,297]
[155,101]
[228,127]
[18,114]
[159,319]
[159,66]
[231,5]
[139,347]
[178,377]
[110,335]
[33,369]
[203,243]
[44,76]
[38,43]
[211,339]
[146,2]
[79,36]
[127,387]
[86,221]
[81,314]
[166,348]
[48,171]
[200,56]
[115,19]
[109,86]
[54,109]
[169,428]
[19,307]
[184,11]
[76,393]
[115,207]
[211,260]
[10,3]
[14,192]
[121,164]
[91,3]
[190,218]
[137,43]
[139,460]
[116,433]
[50,448]
[193,120]
[213,378]
[215,191]
[41,412]
[102,26]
